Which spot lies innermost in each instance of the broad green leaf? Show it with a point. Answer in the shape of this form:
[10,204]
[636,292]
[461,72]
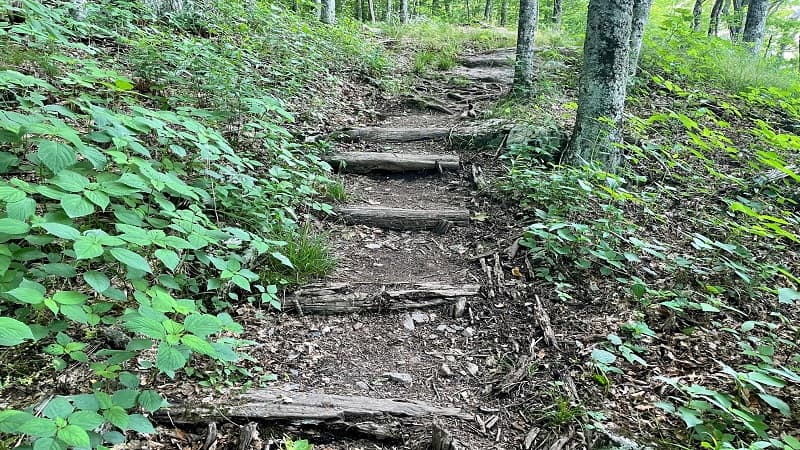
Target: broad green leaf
[603,356]
[56,156]
[151,401]
[129,380]
[85,402]
[788,295]
[21,210]
[198,344]
[11,420]
[13,226]
[70,298]
[39,427]
[87,247]
[87,420]
[13,332]
[125,398]
[140,424]
[60,230]
[202,324]
[114,437]
[48,443]
[28,292]
[283,259]
[76,206]
[145,325]
[776,403]
[97,280]
[169,258]
[10,194]
[76,313]
[58,407]
[117,416]
[98,198]
[169,359]
[131,259]
[70,181]
[74,436]
[690,417]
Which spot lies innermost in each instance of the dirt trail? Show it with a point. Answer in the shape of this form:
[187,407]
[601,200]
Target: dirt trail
[428,313]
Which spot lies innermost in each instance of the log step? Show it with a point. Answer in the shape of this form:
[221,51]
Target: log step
[475,135]
[273,404]
[364,162]
[439,220]
[339,298]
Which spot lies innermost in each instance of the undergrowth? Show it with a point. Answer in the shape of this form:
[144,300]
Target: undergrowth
[149,184]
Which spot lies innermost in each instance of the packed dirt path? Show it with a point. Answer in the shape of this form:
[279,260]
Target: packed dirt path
[426,335]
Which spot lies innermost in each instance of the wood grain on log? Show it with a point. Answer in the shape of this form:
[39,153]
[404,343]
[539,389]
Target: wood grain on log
[364,162]
[477,134]
[283,405]
[402,218]
[336,298]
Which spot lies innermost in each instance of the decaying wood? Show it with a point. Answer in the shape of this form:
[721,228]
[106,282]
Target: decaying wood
[402,218]
[475,134]
[305,407]
[248,436]
[495,60]
[543,319]
[364,162]
[530,438]
[490,288]
[211,436]
[441,439]
[478,179]
[457,309]
[335,298]
[430,103]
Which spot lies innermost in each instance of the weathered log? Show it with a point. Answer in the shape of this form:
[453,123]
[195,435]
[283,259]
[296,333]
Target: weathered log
[402,218]
[475,135]
[491,60]
[363,162]
[336,298]
[304,407]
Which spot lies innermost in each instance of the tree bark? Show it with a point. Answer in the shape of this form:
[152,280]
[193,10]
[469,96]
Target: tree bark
[558,12]
[469,13]
[388,11]
[755,24]
[360,12]
[504,13]
[641,11]
[603,83]
[328,11]
[371,5]
[434,7]
[162,7]
[487,11]
[404,219]
[526,27]
[364,162]
[736,20]
[404,11]
[713,21]
[697,12]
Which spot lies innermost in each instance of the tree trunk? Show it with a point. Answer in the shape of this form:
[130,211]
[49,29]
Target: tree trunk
[469,13]
[504,13]
[371,5]
[755,24]
[328,11]
[603,83]
[713,22]
[697,11]
[447,8]
[558,12]
[526,27]
[161,7]
[404,11]
[641,11]
[487,11]
[735,24]
[78,10]
[360,12]
[388,11]
[434,7]
[318,9]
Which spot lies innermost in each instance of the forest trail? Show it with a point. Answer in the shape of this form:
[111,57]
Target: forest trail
[422,311]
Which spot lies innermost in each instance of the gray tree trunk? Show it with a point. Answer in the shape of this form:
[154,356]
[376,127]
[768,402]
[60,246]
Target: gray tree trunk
[388,10]
[641,11]
[755,24]
[360,12]
[558,12]
[487,11]
[736,20]
[697,12]
[504,13]
[162,7]
[526,29]
[371,5]
[713,22]
[79,10]
[328,11]
[603,84]
[404,11]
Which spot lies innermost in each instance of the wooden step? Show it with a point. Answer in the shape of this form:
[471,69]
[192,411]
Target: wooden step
[475,134]
[344,298]
[439,220]
[364,162]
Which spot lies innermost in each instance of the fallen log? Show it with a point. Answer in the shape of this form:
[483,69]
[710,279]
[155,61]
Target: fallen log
[363,162]
[495,60]
[402,218]
[474,135]
[340,298]
[273,404]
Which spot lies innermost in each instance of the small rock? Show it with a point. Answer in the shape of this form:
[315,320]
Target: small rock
[399,377]
[442,327]
[445,370]
[450,358]
[490,361]
[420,317]
[408,322]
[468,332]
[361,385]
[472,368]
[373,246]
[326,330]
[357,325]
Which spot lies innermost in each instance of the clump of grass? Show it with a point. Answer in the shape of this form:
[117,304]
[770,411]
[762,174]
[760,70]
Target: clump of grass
[309,256]
[425,60]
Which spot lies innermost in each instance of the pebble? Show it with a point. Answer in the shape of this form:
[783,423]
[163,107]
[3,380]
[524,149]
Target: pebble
[362,385]
[420,317]
[445,370]
[468,332]
[408,322]
[399,377]
[472,368]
